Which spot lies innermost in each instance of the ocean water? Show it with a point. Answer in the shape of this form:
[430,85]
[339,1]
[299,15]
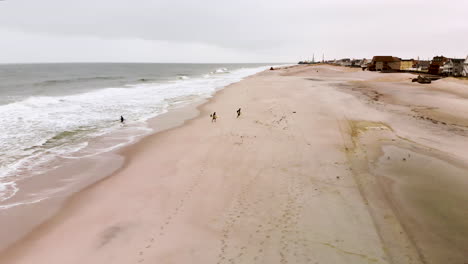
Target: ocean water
[51,112]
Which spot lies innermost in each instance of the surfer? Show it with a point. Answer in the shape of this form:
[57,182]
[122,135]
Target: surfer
[213,117]
[122,119]
[238,112]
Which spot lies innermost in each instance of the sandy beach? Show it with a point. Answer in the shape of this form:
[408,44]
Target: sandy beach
[325,164]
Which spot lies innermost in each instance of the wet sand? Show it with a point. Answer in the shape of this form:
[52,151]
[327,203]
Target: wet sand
[41,196]
[325,165]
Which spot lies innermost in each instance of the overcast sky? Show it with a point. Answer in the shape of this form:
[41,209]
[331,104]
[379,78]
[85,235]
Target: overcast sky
[229,31]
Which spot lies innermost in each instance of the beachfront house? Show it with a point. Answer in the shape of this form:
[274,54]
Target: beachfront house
[406,65]
[453,67]
[355,63]
[422,65]
[344,62]
[465,67]
[364,63]
[385,63]
[436,65]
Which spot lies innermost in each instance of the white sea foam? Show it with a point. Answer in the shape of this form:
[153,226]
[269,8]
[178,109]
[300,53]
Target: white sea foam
[40,129]
[30,201]
[221,70]
[7,190]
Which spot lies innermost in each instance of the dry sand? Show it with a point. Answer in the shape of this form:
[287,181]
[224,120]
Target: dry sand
[325,165]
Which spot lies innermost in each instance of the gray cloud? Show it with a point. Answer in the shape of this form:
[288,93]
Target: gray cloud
[270,30]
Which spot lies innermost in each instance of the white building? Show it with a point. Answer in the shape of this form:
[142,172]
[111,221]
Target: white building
[453,67]
[344,62]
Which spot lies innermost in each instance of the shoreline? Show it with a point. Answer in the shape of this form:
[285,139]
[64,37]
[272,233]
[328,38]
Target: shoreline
[342,179]
[94,131]
[117,159]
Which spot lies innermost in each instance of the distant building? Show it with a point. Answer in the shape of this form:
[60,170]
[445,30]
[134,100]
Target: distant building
[453,67]
[385,63]
[307,62]
[355,63]
[422,65]
[364,63]
[465,67]
[437,64]
[344,62]
[406,64]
